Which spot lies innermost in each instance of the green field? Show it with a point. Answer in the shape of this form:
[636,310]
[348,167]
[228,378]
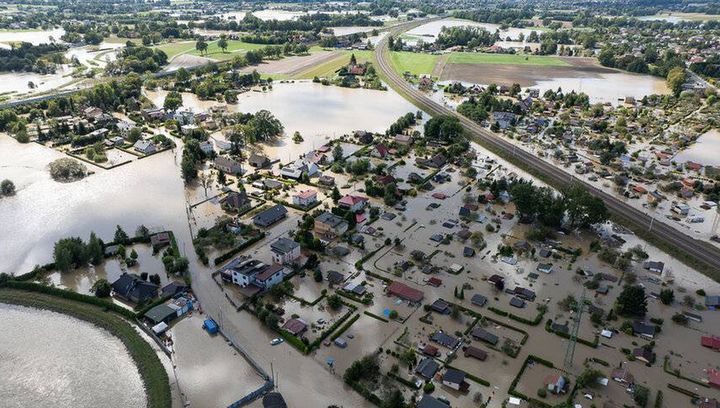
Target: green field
[327,69]
[234,48]
[414,62]
[508,59]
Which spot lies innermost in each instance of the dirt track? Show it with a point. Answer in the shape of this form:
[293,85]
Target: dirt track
[293,65]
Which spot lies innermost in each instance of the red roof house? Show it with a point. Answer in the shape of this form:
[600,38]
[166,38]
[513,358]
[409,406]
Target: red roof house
[434,281]
[714,378]
[405,292]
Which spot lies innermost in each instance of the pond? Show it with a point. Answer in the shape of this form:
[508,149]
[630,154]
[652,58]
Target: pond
[54,360]
[320,113]
[704,150]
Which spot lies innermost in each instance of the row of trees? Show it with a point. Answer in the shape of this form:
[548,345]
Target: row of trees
[31,58]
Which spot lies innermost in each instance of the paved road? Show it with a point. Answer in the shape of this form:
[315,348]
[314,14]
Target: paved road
[662,233]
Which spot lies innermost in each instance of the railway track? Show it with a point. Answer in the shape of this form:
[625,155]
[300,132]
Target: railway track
[700,254]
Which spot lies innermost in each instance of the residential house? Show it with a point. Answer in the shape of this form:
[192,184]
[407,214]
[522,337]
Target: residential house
[326,180]
[713,377]
[440,306]
[642,329]
[654,266]
[404,292]
[445,340]
[481,334]
[285,251]
[153,114]
[124,126]
[403,140]
[478,300]
[228,165]
[474,352]
[427,367]
[517,302]
[430,350]
[270,216]
[712,302]
[353,203]
[429,401]
[295,326]
[330,226]
[545,267]
[271,276]
[644,354]
[207,147]
[622,376]
[252,274]
[524,293]
[236,201]
[258,161]
[335,277]
[91,113]
[160,240]
[555,383]
[305,198]
[145,146]
[380,150]
[189,129]
[131,287]
[455,379]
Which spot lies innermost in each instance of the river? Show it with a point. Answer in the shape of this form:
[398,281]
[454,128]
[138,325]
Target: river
[80,365]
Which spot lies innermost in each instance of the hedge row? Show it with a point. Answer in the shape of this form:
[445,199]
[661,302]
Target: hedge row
[374,316]
[513,316]
[224,257]
[593,344]
[353,297]
[369,255]
[678,374]
[315,344]
[683,391]
[345,327]
[403,381]
[305,302]
[376,276]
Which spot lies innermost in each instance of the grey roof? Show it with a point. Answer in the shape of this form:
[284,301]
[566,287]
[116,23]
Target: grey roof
[484,335]
[712,301]
[478,300]
[335,276]
[274,400]
[270,216]
[642,328]
[445,340]
[427,367]
[330,219]
[517,302]
[428,401]
[454,376]
[283,245]
[161,313]
[130,286]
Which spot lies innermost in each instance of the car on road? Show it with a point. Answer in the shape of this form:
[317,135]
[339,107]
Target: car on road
[276,341]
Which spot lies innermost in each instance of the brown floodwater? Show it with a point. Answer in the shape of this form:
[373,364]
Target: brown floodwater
[52,360]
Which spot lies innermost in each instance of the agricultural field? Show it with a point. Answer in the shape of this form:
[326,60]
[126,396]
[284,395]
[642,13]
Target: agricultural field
[510,59]
[413,62]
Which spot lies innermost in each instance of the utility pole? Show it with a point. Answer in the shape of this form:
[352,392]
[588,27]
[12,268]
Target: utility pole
[572,342]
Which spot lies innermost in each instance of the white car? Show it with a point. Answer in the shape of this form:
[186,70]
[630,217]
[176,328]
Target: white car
[276,341]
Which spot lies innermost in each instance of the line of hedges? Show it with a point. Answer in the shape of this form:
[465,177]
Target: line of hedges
[362,260]
[354,297]
[224,257]
[402,381]
[298,207]
[593,344]
[512,391]
[374,316]
[683,391]
[303,301]
[367,394]
[478,316]
[376,276]
[315,344]
[678,374]
[513,316]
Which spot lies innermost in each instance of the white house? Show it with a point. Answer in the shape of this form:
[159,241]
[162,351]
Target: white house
[207,147]
[305,198]
[124,126]
[285,251]
[353,203]
[145,146]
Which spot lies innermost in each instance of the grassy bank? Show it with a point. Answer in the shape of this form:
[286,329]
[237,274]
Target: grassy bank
[154,376]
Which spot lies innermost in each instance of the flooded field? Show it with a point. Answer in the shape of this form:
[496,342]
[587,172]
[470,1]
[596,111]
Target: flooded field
[704,150]
[32,36]
[318,112]
[429,32]
[30,82]
[129,195]
[53,360]
[601,84]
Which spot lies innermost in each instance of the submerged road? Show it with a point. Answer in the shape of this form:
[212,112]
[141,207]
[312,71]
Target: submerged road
[660,234]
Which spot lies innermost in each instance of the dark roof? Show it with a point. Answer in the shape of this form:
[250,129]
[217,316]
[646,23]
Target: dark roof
[295,326]
[428,401]
[484,335]
[642,328]
[445,340]
[478,300]
[524,293]
[475,352]
[335,277]
[270,216]
[269,272]
[131,287]
[427,367]
[161,313]
[440,306]
[235,200]
[517,302]
[454,376]
[274,400]
[173,288]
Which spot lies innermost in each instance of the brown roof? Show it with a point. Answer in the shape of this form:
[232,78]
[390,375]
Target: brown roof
[404,291]
[295,326]
[268,272]
[475,352]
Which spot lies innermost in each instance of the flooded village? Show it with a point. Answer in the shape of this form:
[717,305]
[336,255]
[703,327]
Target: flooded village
[234,224]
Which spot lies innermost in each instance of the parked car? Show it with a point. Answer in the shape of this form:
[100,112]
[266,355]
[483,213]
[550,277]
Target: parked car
[276,341]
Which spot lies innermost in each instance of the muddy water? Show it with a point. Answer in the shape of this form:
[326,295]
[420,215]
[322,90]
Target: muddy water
[704,150]
[610,87]
[318,112]
[429,32]
[80,365]
[19,82]
[147,192]
[33,37]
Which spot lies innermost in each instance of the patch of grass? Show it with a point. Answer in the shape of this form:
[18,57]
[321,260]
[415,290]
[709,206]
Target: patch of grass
[176,48]
[154,376]
[416,63]
[328,68]
[508,59]
[235,47]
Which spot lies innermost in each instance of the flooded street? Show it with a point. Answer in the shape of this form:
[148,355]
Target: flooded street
[80,366]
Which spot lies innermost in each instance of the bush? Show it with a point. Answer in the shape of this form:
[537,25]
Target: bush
[542,392]
[429,388]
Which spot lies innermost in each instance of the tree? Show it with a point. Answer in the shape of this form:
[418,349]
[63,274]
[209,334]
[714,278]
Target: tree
[206,181]
[7,188]
[263,126]
[393,314]
[632,302]
[173,100]
[101,288]
[201,46]
[394,400]
[338,153]
[187,167]
[317,275]
[69,253]
[525,198]
[336,194]
[675,80]
[667,296]
[334,302]
[583,209]
[94,250]
[182,75]
[297,137]
[120,236]
[223,43]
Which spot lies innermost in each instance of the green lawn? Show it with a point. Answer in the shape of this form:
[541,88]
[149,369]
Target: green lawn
[328,68]
[509,59]
[414,62]
[234,48]
[176,48]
